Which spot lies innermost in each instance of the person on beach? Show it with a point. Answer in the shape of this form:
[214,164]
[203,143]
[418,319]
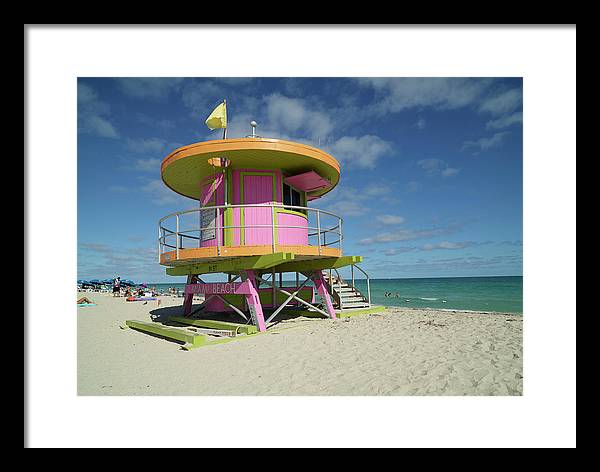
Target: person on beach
[117,287]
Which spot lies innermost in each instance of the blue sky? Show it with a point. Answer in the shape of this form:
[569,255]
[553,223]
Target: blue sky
[431,185]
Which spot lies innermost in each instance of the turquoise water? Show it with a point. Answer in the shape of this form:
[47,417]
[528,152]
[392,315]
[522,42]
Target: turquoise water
[503,294]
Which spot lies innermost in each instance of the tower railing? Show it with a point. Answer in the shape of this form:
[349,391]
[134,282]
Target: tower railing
[191,228]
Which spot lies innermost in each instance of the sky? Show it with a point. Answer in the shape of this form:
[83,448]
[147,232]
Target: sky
[431,168]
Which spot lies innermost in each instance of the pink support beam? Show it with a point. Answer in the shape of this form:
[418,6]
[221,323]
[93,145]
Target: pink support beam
[219,288]
[253,301]
[322,289]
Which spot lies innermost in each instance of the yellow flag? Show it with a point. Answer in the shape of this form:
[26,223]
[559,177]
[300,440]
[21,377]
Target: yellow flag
[218,118]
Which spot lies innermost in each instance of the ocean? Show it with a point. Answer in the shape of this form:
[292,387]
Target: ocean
[503,294]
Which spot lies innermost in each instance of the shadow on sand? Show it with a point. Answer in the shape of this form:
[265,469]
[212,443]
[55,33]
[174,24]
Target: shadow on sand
[162,315]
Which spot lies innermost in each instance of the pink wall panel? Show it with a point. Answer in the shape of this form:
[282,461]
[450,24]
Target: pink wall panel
[237,198]
[292,236]
[257,189]
[235,185]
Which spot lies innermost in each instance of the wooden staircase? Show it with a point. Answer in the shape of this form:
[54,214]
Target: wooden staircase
[345,296]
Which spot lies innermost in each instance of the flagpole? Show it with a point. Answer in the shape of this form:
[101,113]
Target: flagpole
[225,129]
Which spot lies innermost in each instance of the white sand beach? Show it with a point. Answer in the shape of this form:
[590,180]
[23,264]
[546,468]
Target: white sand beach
[395,352]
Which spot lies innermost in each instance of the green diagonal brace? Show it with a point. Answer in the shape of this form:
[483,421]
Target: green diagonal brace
[235,327]
[178,334]
[233,265]
[319,264]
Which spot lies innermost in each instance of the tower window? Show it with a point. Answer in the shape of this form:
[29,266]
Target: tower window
[291,196]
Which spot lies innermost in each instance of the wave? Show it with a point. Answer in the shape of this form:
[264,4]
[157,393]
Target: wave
[429,299]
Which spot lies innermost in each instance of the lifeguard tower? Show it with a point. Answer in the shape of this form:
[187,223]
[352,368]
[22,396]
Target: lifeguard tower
[253,224]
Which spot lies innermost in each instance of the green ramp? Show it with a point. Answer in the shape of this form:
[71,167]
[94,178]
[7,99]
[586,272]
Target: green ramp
[237,328]
[177,334]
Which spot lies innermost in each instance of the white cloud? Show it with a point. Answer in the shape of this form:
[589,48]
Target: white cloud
[505,121]
[377,190]
[362,151]
[99,260]
[450,172]
[92,113]
[201,97]
[421,123]
[235,80]
[147,145]
[505,102]
[350,207]
[147,120]
[432,247]
[400,250]
[391,219]
[351,201]
[437,167]
[447,245]
[408,234]
[118,189]
[295,116]
[412,186]
[397,94]
[155,88]
[100,127]
[148,165]
[500,262]
[483,144]
[159,193]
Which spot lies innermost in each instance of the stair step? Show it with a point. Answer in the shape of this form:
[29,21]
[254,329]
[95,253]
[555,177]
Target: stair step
[355,305]
[353,296]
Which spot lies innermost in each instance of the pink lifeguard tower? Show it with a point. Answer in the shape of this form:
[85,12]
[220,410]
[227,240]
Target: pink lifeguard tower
[253,224]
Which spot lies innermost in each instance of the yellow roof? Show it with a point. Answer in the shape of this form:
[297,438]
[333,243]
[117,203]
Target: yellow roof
[182,170]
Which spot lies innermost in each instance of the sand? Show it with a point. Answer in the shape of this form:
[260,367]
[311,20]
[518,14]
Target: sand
[396,352]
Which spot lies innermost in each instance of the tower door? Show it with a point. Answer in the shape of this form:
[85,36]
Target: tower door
[259,189]
[211,219]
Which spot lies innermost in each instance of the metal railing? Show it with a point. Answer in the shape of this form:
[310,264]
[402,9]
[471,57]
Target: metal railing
[338,280]
[185,230]
[368,281]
